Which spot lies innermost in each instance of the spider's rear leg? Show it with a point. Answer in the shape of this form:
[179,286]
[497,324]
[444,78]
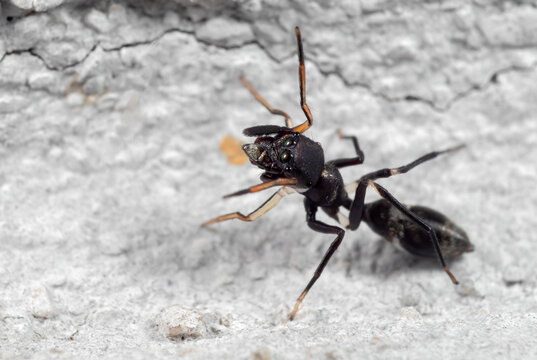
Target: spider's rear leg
[266,206]
[387,172]
[359,187]
[431,233]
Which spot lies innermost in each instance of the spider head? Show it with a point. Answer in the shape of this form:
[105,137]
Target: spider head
[282,152]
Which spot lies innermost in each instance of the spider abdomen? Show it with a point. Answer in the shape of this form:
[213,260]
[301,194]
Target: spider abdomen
[387,221]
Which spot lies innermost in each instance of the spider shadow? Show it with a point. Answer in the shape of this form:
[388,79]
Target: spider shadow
[381,258]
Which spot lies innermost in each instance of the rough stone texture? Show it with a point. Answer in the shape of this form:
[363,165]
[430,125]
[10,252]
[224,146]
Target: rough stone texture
[111,118]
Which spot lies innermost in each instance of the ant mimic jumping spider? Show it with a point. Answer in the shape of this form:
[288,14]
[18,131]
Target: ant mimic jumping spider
[296,163]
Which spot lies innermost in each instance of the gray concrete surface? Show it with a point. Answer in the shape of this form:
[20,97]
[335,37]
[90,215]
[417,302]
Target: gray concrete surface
[111,118]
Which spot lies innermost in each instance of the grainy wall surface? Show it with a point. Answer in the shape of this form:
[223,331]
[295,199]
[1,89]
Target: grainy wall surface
[111,115]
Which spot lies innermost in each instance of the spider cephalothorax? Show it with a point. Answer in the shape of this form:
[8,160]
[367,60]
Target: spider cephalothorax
[289,154]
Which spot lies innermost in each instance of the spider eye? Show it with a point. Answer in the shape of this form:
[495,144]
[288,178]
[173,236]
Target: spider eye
[288,142]
[285,156]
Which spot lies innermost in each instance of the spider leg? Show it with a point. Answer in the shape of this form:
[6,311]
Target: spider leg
[417,220]
[302,81]
[319,226]
[359,159]
[263,186]
[261,210]
[288,121]
[386,172]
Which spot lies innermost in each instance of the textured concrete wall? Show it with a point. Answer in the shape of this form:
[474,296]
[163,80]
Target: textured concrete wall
[111,115]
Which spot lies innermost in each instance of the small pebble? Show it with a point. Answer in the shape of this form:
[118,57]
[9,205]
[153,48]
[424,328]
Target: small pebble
[179,321]
[40,304]
[410,313]
[466,287]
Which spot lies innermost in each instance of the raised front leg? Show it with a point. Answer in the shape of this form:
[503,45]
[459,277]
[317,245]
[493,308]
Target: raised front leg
[288,121]
[302,82]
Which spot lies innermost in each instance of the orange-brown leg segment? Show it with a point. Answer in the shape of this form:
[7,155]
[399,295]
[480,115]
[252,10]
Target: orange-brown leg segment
[266,206]
[302,81]
[263,186]
[288,121]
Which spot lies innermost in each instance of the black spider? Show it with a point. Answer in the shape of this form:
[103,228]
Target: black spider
[295,162]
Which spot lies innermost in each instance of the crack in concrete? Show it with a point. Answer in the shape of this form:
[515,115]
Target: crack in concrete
[14,52]
[430,103]
[54,68]
[97,44]
[201,41]
[32,52]
[493,79]
[349,84]
[186,32]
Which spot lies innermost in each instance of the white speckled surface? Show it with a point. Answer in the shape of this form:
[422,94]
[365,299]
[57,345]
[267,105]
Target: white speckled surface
[110,122]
